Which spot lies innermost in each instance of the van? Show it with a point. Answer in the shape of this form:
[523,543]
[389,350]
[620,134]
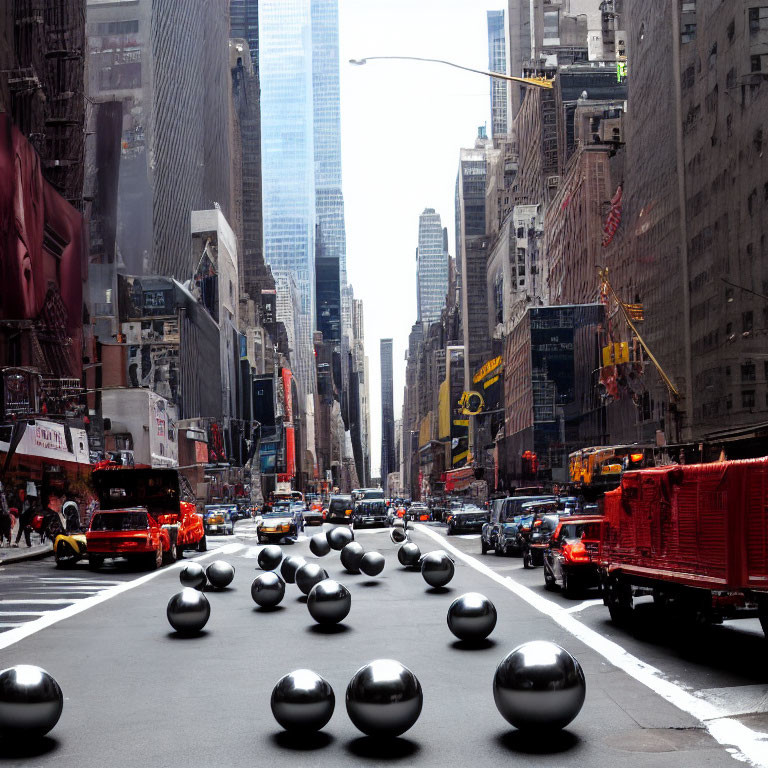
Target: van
[502,511]
[340,509]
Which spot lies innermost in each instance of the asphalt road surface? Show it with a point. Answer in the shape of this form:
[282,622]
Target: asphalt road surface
[137,695]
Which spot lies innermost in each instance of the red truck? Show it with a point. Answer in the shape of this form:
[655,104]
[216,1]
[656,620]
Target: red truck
[141,517]
[694,537]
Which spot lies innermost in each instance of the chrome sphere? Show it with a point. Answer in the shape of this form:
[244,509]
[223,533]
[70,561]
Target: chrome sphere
[270,558]
[437,568]
[384,698]
[268,589]
[409,554]
[302,700]
[30,702]
[351,556]
[338,538]
[188,611]
[193,575]
[329,602]
[539,685]
[397,535]
[289,566]
[309,575]
[319,545]
[472,616]
[220,574]
[372,563]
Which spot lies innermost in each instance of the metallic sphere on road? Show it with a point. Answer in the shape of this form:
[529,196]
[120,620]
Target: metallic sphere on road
[268,589]
[351,556]
[338,538]
[309,575]
[192,575]
[30,702]
[472,616]
[319,545]
[220,574]
[409,554]
[384,698]
[270,557]
[188,611]
[539,686]
[437,568]
[329,602]
[289,566]
[302,700]
[397,535]
[372,563]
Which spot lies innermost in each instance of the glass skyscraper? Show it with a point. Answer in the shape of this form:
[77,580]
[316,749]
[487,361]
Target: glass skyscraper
[497,62]
[288,163]
[329,201]
[431,266]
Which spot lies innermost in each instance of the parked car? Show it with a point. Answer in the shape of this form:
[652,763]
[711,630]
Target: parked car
[278,523]
[571,559]
[340,509]
[372,512]
[217,518]
[503,511]
[466,520]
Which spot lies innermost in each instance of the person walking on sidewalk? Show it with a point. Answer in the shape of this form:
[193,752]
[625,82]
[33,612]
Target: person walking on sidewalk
[6,520]
[26,514]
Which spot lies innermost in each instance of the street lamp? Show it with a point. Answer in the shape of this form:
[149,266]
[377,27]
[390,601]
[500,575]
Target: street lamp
[538,82]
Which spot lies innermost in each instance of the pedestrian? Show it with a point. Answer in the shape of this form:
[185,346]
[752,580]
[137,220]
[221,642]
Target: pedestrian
[26,513]
[51,522]
[71,516]
[6,521]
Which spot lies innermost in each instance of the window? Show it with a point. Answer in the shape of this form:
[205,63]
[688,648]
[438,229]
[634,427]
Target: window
[728,371]
[747,322]
[748,371]
[729,402]
[758,20]
[748,398]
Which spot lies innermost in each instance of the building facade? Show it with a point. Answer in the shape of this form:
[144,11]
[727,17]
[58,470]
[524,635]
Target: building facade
[431,266]
[387,411]
[497,62]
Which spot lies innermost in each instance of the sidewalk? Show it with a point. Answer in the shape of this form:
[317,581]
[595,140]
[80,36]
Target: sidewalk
[11,555]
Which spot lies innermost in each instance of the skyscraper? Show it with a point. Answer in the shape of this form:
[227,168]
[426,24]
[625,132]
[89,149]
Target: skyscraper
[497,62]
[387,412]
[287,156]
[329,202]
[431,266]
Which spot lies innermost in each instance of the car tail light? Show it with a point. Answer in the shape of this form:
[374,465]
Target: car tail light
[576,553]
[537,524]
[635,457]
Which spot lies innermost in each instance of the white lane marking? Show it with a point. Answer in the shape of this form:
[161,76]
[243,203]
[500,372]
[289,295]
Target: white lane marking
[581,606]
[53,617]
[752,745]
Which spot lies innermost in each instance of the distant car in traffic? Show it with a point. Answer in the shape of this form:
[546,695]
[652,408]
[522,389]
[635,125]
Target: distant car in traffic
[217,518]
[278,523]
[503,511]
[340,509]
[313,515]
[466,520]
[571,559]
[369,513]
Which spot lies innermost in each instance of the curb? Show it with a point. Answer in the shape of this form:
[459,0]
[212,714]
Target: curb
[35,553]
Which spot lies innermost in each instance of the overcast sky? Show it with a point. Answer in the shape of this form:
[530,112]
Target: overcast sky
[403,124]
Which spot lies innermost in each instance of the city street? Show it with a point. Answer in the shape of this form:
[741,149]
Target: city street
[136,694]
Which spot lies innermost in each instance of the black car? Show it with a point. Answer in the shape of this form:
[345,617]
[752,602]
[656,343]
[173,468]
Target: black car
[503,511]
[372,512]
[542,528]
[340,509]
[466,520]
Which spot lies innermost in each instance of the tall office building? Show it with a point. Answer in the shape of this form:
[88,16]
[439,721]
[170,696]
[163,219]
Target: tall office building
[287,159]
[244,23]
[497,62]
[387,412]
[431,266]
[168,65]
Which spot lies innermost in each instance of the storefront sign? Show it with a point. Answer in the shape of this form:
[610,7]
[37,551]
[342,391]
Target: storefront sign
[489,367]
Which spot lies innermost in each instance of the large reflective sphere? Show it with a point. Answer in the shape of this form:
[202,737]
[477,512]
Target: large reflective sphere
[539,685]
[372,563]
[188,611]
[268,589]
[409,554]
[351,556]
[384,698]
[30,702]
[270,557]
[220,574]
[338,538]
[329,602]
[472,616]
[319,545]
[289,566]
[437,568]
[397,535]
[309,575]
[302,700]
[192,575]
